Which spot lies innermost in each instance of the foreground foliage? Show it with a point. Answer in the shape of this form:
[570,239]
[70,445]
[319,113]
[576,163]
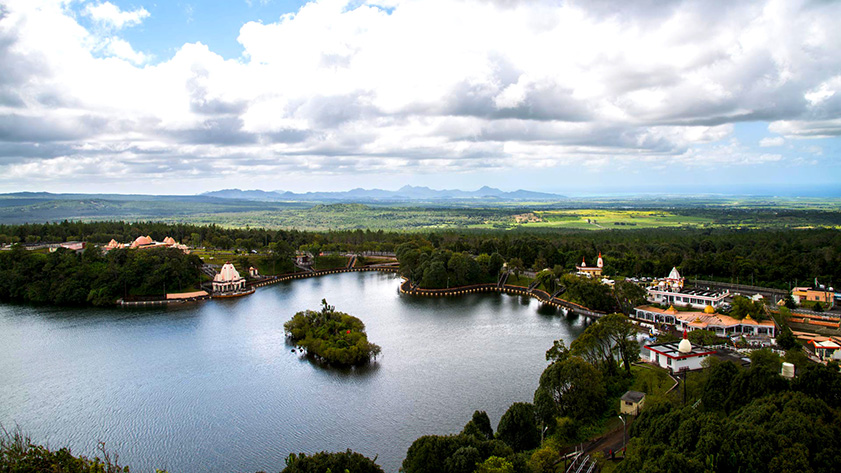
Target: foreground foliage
[475,448]
[749,420]
[338,462]
[333,337]
[19,455]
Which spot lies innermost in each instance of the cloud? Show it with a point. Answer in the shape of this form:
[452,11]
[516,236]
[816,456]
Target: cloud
[122,49]
[424,86]
[772,141]
[110,15]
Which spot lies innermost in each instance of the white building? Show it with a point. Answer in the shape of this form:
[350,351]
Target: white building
[228,280]
[670,290]
[826,349]
[678,356]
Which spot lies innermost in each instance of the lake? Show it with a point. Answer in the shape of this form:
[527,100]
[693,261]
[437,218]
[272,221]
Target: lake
[214,386]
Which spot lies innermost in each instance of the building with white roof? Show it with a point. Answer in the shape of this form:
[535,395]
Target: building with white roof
[670,290]
[228,280]
[826,349]
[677,356]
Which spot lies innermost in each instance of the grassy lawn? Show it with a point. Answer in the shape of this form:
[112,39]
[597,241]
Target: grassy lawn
[215,256]
[650,380]
[521,281]
[330,262]
[602,219]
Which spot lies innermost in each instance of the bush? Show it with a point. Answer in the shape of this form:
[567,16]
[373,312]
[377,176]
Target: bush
[19,454]
[337,462]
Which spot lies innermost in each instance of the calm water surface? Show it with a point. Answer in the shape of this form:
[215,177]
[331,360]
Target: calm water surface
[214,387]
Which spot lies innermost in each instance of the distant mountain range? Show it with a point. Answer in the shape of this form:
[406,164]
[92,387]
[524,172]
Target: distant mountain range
[404,194]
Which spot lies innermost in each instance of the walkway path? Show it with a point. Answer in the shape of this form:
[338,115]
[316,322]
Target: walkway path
[539,294]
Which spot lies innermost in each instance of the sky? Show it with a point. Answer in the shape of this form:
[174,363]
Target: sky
[574,97]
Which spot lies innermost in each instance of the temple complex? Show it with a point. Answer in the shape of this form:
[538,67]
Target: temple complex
[143,242]
[708,319]
[228,280]
[590,271]
[670,290]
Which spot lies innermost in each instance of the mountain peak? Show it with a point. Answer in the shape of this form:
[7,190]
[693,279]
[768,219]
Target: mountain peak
[405,193]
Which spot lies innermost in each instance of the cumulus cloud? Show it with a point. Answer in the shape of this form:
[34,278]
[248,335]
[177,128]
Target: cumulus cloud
[110,15]
[428,86]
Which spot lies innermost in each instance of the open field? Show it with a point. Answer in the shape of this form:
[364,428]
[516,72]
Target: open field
[569,215]
[600,219]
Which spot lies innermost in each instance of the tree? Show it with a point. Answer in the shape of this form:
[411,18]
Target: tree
[518,428]
[558,352]
[546,278]
[324,461]
[571,387]
[790,304]
[765,359]
[428,453]
[331,336]
[479,426]
[786,339]
[435,276]
[611,335]
[629,295]
[717,386]
[495,465]
[495,265]
[463,460]
[743,307]
[760,380]
[820,381]
[463,268]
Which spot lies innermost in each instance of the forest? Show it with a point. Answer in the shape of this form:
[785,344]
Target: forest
[65,277]
[770,258]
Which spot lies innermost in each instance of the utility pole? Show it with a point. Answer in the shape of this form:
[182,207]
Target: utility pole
[624,425]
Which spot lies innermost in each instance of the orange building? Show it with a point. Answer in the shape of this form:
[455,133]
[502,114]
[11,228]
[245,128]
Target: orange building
[812,295]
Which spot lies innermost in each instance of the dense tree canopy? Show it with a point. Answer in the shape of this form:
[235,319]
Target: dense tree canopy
[571,388]
[608,339]
[518,427]
[336,462]
[749,420]
[69,278]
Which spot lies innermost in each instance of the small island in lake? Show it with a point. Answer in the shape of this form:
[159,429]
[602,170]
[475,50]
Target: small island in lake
[333,337]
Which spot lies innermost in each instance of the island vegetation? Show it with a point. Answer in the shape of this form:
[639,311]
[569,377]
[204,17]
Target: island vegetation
[333,337]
